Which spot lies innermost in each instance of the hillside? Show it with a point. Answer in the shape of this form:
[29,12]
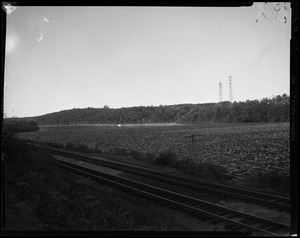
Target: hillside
[274,109]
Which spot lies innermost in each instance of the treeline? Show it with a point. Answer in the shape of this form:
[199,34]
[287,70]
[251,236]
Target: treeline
[276,109]
[16,126]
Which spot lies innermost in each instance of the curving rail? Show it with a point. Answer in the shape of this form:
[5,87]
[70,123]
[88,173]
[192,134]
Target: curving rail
[198,208]
[279,203]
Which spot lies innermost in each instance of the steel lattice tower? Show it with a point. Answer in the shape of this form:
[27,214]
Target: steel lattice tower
[230,89]
[220,89]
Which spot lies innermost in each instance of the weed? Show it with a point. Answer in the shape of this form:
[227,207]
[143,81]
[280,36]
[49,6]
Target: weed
[202,170]
[273,180]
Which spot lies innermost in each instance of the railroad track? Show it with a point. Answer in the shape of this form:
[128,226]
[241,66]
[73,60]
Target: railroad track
[271,201]
[235,220]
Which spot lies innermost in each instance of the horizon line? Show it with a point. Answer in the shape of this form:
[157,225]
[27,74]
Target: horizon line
[112,108]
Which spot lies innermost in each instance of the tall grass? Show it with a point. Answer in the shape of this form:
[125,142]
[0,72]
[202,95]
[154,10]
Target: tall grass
[272,180]
[167,158]
[203,170]
[37,198]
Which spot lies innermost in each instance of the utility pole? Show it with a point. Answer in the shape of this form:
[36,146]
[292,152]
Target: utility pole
[193,143]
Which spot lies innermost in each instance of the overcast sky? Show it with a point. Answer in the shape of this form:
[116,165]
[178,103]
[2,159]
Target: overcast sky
[61,58]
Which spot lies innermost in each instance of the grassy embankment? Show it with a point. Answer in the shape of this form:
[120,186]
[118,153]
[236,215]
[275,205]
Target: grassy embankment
[38,198]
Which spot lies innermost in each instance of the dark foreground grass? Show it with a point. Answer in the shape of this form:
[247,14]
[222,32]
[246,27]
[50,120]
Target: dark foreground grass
[38,198]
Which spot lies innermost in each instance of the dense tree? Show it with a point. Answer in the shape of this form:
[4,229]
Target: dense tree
[275,109]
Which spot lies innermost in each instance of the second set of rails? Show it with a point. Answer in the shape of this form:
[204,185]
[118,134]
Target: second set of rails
[276,202]
[193,206]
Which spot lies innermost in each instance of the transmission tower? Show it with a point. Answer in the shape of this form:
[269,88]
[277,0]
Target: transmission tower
[220,89]
[230,88]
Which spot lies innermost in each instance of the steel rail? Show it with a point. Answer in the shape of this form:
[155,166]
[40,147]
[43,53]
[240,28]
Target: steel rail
[187,204]
[271,201]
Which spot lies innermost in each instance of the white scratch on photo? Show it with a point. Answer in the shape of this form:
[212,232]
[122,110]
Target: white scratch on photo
[8,8]
[40,37]
[46,20]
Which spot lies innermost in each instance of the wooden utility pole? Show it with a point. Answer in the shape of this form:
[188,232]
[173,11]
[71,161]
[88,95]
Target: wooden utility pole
[193,143]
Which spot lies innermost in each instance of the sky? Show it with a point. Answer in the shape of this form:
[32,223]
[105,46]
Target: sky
[59,58]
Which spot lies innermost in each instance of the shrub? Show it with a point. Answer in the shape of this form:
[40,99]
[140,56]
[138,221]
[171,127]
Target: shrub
[271,179]
[149,157]
[166,158]
[94,150]
[182,164]
[69,146]
[82,148]
[135,155]
[119,151]
[212,172]
[200,169]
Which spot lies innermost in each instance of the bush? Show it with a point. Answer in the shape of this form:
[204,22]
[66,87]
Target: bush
[94,150]
[149,157]
[82,148]
[70,146]
[202,170]
[119,151]
[272,179]
[212,172]
[166,158]
[53,144]
[135,155]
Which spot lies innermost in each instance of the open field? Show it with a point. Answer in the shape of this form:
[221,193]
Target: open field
[243,148]
[114,125]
